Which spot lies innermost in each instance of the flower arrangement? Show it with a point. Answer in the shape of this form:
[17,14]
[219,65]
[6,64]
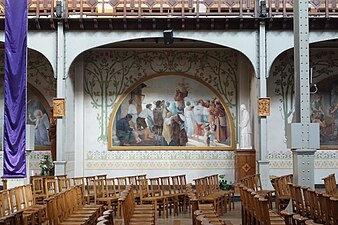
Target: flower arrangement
[46,166]
[224,185]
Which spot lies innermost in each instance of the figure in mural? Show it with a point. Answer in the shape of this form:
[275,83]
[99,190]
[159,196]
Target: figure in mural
[158,121]
[145,116]
[179,133]
[124,132]
[179,98]
[41,122]
[167,129]
[245,129]
[132,110]
[198,116]
[220,122]
[189,116]
[207,134]
[317,110]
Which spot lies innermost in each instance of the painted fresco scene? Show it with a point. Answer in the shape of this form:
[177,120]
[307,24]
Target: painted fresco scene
[37,115]
[171,111]
[324,110]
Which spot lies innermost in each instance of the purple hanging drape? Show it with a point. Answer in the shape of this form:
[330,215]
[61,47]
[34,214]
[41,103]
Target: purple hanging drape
[15,88]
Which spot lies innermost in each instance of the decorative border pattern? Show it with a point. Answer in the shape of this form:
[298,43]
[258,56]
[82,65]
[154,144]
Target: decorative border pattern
[160,155]
[323,159]
[160,165]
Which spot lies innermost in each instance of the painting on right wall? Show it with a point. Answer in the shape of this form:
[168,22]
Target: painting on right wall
[324,110]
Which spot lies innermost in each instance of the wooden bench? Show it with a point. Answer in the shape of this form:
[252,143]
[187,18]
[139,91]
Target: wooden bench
[282,191]
[65,208]
[135,214]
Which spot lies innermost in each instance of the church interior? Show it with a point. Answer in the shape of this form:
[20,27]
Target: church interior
[167,112]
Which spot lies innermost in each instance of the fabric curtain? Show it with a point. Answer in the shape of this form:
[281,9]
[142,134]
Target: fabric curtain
[15,88]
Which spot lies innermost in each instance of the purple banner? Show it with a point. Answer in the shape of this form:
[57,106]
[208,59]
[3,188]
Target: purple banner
[15,88]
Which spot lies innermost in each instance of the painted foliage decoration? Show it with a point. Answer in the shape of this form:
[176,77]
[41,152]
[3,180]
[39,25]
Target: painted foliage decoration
[40,74]
[324,66]
[108,74]
[282,75]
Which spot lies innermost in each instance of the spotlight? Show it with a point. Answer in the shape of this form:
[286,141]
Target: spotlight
[168,37]
[263,8]
[58,9]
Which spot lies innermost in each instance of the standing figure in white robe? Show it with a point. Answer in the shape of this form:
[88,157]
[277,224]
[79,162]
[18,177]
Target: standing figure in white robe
[245,129]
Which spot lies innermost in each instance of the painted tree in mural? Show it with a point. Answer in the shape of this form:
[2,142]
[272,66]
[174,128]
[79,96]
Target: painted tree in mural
[324,64]
[223,66]
[216,68]
[107,76]
[283,73]
[40,74]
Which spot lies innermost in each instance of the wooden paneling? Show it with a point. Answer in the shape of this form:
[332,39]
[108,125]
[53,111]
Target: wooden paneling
[245,163]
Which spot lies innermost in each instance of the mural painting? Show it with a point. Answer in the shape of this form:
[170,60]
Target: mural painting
[324,110]
[171,110]
[38,115]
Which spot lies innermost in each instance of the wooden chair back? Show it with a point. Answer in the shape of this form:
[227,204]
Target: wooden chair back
[155,187]
[144,188]
[111,187]
[101,176]
[63,183]
[330,184]
[121,183]
[89,189]
[50,187]
[38,190]
[316,213]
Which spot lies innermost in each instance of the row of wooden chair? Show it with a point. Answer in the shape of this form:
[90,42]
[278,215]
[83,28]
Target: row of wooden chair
[12,219]
[203,213]
[66,208]
[207,216]
[208,191]
[312,207]
[254,183]
[167,192]
[18,199]
[330,184]
[282,191]
[255,209]
[134,214]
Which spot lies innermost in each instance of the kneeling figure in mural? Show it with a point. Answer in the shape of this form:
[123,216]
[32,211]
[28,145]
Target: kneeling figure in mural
[124,132]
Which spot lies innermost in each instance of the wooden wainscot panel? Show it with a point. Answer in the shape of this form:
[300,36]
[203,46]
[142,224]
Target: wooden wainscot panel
[245,163]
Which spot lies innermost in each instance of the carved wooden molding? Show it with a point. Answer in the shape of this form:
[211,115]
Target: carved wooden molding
[263,106]
[58,107]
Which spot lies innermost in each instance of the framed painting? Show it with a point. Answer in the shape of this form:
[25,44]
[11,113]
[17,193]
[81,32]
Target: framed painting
[171,112]
[324,110]
[38,114]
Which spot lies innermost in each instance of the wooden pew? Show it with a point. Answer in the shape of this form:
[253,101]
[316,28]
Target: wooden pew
[135,214]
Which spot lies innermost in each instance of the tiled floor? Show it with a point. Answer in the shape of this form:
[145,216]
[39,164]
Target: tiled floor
[234,216]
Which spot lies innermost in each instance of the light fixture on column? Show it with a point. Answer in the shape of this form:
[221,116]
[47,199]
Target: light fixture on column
[262,7]
[58,9]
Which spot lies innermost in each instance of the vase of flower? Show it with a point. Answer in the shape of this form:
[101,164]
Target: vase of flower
[224,185]
[46,166]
